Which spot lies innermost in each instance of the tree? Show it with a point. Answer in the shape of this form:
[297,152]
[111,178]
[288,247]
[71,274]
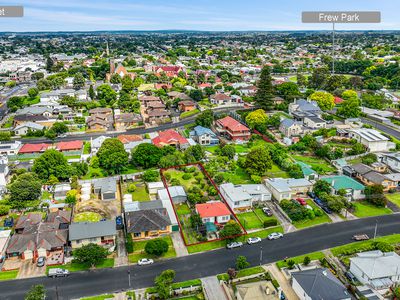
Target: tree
[322,186]
[49,64]
[146,155]
[33,92]
[195,221]
[205,118]
[106,95]
[163,283]
[115,79]
[36,292]
[350,108]
[5,135]
[127,84]
[194,153]
[256,118]
[325,100]
[176,159]
[356,149]
[228,151]
[26,187]
[71,197]
[79,81]
[374,195]
[59,128]
[241,262]
[156,247]
[319,78]
[92,94]
[51,162]
[90,254]
[150,175]
[230,231]
[369,159]
[196,95]
[288,90]
[258,161]
[14,103]
[349,94]
[112,156]
[265,90]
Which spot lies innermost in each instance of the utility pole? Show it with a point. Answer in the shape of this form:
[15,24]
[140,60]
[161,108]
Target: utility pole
[260,255]
[333,48]
[376,229]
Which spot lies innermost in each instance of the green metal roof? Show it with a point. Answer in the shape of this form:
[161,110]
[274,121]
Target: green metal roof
[343,182]
[307,170]
[210,227]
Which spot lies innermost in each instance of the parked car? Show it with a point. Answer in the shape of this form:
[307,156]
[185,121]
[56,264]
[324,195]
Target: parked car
[9,222]
[267,211]
[58,272]
[319,202]
[350,277]
[16,162]
[360,237]
[62,135]
[301,201]
[253,240]
[119,223]
[326,209]
[41,261]
[275,236]
[145,261]
[234,245]
[311,194]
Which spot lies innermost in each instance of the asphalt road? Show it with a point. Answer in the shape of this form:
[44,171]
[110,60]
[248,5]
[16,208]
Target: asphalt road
[89,283]
[386,129]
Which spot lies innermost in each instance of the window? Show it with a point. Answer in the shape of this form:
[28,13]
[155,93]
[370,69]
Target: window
[137,234]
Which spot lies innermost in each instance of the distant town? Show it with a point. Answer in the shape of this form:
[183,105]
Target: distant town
[272,156]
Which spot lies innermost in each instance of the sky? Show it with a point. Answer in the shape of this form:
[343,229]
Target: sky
[212,15]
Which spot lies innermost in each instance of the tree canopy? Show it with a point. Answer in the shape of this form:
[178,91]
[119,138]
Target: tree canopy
[265,90]
[90,254]
[52,162]
[325,100]
[26,187]
[112,156]
[258,161]
[146,155]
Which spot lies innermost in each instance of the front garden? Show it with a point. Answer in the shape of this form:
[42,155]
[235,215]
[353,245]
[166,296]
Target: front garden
[139,250]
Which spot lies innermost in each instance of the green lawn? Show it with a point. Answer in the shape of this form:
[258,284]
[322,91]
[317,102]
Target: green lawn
[276,172]
[87,217]
[75,267]
[364,209]
[240,176]
[188,114]
[395,198]
[319,165]
[8,275]
[354,161]
[317,220]
[100,297]
[253,220]
[140,194]
[299,259]
[186,183]
[86,148]
[9,122]
[243,273]
[139,253]
[182,209]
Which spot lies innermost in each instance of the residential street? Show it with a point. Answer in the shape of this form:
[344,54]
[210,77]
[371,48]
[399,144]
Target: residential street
[205,264]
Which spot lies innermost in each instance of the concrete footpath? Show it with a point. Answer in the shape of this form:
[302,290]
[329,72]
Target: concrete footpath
[212,289]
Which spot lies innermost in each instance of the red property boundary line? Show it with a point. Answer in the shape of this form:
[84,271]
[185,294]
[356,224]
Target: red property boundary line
[201,167]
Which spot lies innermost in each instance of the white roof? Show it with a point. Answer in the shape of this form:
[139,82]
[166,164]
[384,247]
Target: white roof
[370,135]
[376,264]
[4,236]
[155,185]
[286,184]
[236,193]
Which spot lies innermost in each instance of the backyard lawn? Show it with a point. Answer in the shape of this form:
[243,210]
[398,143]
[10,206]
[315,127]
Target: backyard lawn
[275,172]
[319,165]
[87,217]
[8,275]
[254,219]
[139,253]
[317,220]
[186,183]
[364,209]
[395,198]
[240,176]
[182,209]
[139,194]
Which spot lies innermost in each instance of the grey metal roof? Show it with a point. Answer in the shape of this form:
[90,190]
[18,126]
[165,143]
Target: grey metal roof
[146,220]
[87,230]
[320,284]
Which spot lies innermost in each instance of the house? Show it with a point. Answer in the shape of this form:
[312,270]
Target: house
[354,189]
[376,268]
[242,197]
[318,284]
[69,146]
[10,147]
[119,70]
[372,139]
[290,128]
[5,236]
[392,160]
[29,118]
[258,290]
[158,116]
[278,100]
[27,220]
[62,217]
[204,136]
[99,122]
[213,212]
[302,107]
[172,138]
[96,143]
[308,172]
[178,95]
[286,188]
[4,173]
[126,139]
[233,129]
[186,105]
[24,128]
[177,194]
[369,176]
[33,148]
[220,99]
[106,188]
[170,71]
[102,233]
[127,120]
[147,219]
[314,122]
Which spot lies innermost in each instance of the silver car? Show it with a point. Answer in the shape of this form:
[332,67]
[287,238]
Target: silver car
[234,245]
[253,240]
[275,236]
[145,261]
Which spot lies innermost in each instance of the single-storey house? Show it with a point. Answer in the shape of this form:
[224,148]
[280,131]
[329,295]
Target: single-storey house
[242,197]
[106,188]
[5,236]
[172,138]
[213,212]
[23,129]
[154,187]
[102,233]
[61,190]
[177,193]
[354,189]
[372,139]
[369,176]
[286,188]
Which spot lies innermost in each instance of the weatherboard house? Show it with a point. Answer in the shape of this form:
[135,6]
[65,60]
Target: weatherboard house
[213,212]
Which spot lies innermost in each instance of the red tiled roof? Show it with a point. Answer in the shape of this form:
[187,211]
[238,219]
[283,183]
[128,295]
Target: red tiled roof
[169,137]
[33,148]
[232,124]
[212,209]
[127,138]
[338,100]
[67,146]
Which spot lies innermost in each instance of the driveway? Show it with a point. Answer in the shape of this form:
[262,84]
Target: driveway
[122,258]
[212,289]
[283,282]
[287,226]
[29,269]
[179,245]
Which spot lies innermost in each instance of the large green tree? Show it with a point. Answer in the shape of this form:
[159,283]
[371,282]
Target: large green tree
[325,100]
[256,118]
[112,156]
[79,81]
[230,231]
[26,187]
[52,162]
[106,95]
[321,187]
[156,247]
[258,161]
[205,119]
[36,292]
[146,155]
[90,254]
[265,90]
[163,284]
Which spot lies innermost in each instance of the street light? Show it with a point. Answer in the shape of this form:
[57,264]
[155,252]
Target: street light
[260,255]
[376,228]
[129,277]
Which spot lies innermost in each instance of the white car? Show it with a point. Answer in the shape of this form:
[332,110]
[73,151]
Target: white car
[275,236]
[145,261]
[253,240]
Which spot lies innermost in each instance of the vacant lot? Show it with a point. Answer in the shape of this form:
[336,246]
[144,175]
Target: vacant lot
[319,165]
[317,220]
[87,217]
[254,219]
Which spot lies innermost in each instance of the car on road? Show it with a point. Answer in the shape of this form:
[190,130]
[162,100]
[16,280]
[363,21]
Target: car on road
[31,161]
[234,245]
[62,136]
[145,261]
[267,211]
[301,201]
[253,240]
[275,236]
[16,162]
[41,261]
[58,272]
[319,202]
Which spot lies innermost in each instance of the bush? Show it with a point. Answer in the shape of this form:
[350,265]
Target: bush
[129,243]
[306,260]
[132,188]
[186,176]
[156,247]
[383,246]
[270,222]
[4,209]
[291,264]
